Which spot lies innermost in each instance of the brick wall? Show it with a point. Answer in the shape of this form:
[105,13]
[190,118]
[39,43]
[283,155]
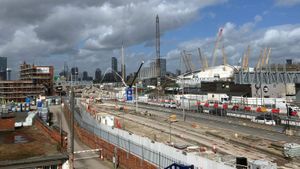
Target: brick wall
[54,133]
[126,160]
[7,124]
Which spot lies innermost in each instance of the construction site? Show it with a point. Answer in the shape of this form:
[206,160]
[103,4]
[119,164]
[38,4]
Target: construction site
[212,113]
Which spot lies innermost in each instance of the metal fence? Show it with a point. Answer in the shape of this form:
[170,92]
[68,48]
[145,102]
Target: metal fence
[104,132]
[156,153]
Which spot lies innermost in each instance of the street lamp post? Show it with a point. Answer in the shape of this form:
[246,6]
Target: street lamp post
[171,119]
[60,124]
[170,131]
[183,109]
[72,105]
[136,97]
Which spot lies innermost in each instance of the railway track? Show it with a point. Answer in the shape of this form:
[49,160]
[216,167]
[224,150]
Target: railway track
[191,135]
[241,125]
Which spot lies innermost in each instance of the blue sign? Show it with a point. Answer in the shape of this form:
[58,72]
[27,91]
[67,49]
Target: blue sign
[39,104]
[129,94]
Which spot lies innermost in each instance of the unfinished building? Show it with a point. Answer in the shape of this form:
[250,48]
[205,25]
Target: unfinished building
[39,75]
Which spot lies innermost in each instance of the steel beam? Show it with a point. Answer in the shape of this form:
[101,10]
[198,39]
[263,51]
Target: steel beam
[267,77]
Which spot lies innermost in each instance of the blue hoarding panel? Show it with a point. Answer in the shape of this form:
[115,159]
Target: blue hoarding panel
[129,94]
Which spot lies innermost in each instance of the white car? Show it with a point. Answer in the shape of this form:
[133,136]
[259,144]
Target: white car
[170,105]
[263,120]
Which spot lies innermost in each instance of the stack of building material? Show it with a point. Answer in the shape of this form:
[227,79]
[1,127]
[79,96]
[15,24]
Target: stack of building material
[291,150]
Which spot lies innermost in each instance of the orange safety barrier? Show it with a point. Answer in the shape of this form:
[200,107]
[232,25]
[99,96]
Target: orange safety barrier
[216,105]
[247,108]
[235,107]
[258,109]
[263,109]
[293,113]
[225,106]
[276,111]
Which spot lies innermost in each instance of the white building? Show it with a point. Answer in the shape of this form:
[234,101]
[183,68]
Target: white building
[216,73]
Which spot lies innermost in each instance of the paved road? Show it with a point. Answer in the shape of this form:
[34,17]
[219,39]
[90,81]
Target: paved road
[274,133]
[90,163]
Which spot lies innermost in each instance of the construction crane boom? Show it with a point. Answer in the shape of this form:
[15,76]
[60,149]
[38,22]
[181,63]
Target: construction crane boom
[216,47]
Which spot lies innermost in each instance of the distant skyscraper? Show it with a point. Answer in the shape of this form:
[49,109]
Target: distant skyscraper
[3,67]
[74,73]
[98,75]
[8,74]
[114,67]
[114,64]
[85,76]
[66,70]
[163,67]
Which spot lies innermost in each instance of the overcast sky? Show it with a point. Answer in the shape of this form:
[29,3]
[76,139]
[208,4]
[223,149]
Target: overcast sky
[87,33]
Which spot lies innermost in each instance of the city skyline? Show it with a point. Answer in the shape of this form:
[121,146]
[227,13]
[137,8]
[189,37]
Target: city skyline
[56,32]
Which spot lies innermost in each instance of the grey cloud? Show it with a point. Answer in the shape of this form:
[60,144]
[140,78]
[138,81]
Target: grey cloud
[52,28]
